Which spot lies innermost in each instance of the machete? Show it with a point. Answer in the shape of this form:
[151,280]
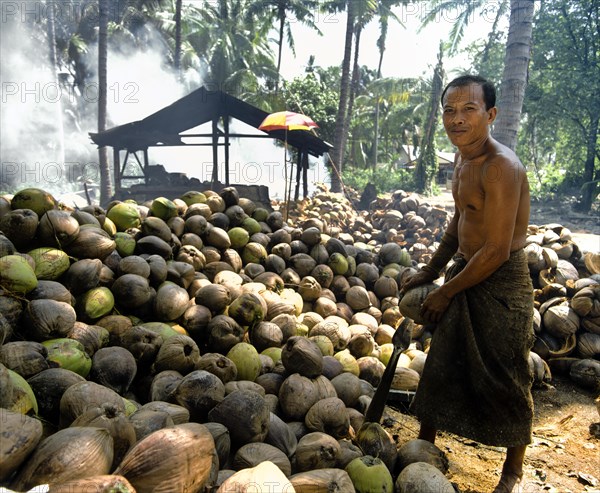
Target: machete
[401,340]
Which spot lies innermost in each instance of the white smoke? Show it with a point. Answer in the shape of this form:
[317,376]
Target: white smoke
[31,101]
[139,84]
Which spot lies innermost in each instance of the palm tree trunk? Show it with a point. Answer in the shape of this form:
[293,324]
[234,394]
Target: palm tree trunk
[353,89]
[427,163]
[338,150]
[105,182]
[381,45]
[514,77]
[177,55]
[60,152]
[281,28]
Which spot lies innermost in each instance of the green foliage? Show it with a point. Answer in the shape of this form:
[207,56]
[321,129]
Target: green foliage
[385,178]
[561,103]
[463,13]
[428,170]
[312,97]
[546,183]
[486,57]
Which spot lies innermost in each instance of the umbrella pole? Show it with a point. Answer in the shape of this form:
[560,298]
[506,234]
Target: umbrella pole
[285,163]
[289,191]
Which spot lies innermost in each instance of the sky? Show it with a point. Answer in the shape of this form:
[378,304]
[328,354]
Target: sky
[138,86]
[409,52]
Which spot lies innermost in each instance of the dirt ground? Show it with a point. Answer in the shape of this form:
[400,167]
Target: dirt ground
[564,456]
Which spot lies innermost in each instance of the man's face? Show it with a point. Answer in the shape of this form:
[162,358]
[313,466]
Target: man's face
[464,115]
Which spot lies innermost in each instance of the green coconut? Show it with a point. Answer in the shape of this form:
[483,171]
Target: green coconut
[163,208]
[261,214]
[109,226]
[163,329]
[125,243]
[247,309]
[239,237]
[254,252]
[193,197]
[96,303]
[124,215]
[324,344]
[50,263]
[272,352]
[247,361]
[251,225]
[338,263]
[68,354]
[23,398]
[36,199]
[385,353]
[130,407]
[6,396]
[370,475]
[348,361]
[17,275]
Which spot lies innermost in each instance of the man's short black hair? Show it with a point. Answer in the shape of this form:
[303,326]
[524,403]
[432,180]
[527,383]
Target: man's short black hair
[489,92]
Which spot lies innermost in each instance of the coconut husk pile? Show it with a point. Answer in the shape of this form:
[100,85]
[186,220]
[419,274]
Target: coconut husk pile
[204,343]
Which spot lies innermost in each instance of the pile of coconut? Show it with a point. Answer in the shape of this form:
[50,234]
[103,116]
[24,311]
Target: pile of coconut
[205,344]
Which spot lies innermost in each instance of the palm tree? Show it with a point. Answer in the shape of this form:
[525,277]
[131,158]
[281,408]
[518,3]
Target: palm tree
[364,14]
[515,75]
[51,33]
[466,11]
[177,55]
[516,60]
[340,120]
[105,181]
[175,23]
[127,27]
[385,13]
[279,11]
[403,109]
[234,48]
[427,162]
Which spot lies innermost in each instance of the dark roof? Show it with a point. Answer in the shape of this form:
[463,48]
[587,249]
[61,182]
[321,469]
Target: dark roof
[198,107]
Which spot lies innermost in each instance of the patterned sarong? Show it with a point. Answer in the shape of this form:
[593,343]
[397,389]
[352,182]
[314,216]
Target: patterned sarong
[476,381]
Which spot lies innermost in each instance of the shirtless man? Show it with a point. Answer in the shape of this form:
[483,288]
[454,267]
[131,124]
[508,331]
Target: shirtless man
[489,227]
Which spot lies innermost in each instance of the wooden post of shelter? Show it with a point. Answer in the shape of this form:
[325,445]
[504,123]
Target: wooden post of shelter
[302,173]
[215,146]
[146,164]
[226,129]
[298,173]
[305,173]
[117,168]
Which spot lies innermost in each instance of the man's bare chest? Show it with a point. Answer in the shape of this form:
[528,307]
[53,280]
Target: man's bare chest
[468,187]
